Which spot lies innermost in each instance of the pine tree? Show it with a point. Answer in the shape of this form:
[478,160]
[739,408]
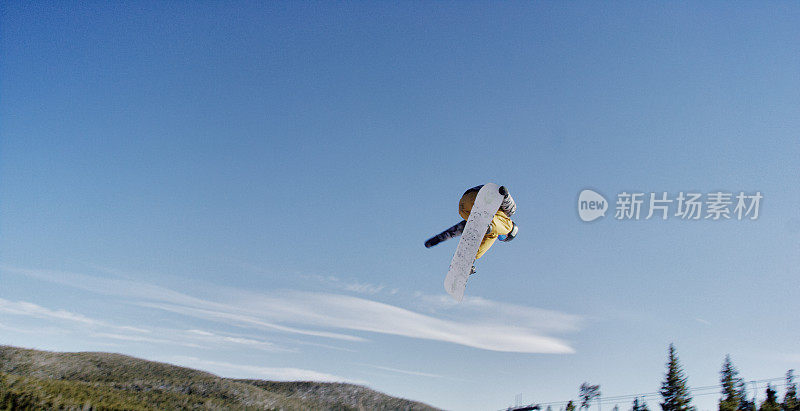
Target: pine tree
[734,396]
[674,390]
[639,406]
[588,393]
[790,402]
[570,406]
[771,403]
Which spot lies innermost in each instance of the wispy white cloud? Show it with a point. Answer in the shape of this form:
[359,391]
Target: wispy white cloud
[65,322]
[257,372]
[397,370]
[195,339]
[134,329]
[216,340]
[353,313]
[352,286]
[491,326]
[139,338]
[28,309]
[364,288]
[108,286]
[102,329]
[37,311]
[484,310]
[328,346]
[165,299]
[229,314]
[13,329]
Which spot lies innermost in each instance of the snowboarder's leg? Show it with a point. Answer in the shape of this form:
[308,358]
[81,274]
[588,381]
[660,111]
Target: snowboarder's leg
[501,224]
[451,232]
[486,244]
[466,203]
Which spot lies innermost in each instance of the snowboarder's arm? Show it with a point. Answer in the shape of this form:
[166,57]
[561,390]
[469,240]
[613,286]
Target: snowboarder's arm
[451,232]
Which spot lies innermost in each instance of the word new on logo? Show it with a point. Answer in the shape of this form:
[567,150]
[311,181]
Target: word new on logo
[591,205]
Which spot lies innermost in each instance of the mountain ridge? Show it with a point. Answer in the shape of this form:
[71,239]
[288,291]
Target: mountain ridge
[35,379]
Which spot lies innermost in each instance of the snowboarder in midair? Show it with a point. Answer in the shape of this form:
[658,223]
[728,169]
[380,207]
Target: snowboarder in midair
[501,227]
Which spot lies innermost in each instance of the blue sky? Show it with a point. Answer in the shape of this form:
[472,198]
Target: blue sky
[245,188]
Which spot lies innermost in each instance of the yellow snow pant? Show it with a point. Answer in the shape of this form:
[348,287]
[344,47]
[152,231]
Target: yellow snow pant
[501,224]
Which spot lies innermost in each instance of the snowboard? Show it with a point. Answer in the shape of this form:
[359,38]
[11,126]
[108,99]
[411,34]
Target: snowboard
[487,202]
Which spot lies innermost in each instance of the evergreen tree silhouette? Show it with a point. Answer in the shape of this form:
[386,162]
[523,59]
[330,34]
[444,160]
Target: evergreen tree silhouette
[734,396]
[674,390]
[790,402]
[639,406]
[771,402]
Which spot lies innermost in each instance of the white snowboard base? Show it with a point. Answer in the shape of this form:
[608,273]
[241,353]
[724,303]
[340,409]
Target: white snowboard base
[487,202]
